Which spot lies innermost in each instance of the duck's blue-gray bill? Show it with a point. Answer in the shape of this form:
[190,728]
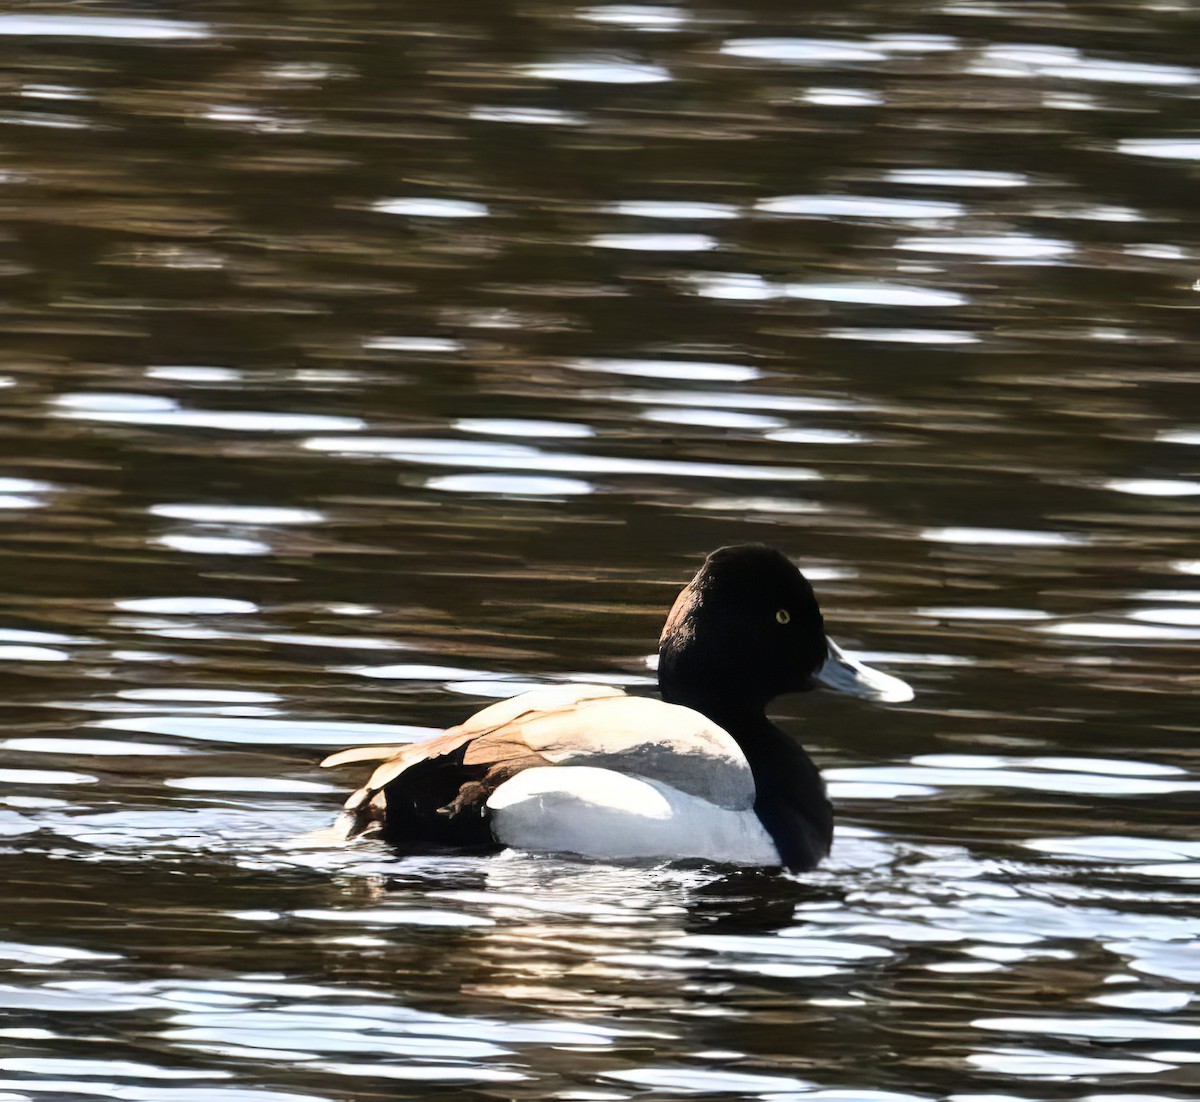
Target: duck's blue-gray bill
[848,675]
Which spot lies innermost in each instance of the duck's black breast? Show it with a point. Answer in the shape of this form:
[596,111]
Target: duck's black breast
[790,797]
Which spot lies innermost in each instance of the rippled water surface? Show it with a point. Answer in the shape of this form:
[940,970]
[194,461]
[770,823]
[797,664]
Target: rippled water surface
[366,362]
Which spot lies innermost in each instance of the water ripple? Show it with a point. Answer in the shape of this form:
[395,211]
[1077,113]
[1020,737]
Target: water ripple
[92,26]
[137,409]
[803,50]
[860,206]
[455,453]
[600,72]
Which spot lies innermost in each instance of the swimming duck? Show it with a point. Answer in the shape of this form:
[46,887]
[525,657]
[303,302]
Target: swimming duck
[587,770]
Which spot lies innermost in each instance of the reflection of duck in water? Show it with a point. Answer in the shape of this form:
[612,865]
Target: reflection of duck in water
[585,769]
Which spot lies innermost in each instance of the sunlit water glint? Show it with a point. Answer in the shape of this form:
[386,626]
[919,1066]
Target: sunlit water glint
[365,365]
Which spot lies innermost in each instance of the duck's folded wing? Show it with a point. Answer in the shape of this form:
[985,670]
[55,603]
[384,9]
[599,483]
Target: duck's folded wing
[640,737]
[366,809]
[437,791]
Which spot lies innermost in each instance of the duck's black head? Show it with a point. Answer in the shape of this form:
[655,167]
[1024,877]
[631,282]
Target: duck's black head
[745,629]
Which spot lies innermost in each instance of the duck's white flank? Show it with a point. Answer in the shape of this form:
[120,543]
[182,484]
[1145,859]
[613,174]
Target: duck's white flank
[602,814]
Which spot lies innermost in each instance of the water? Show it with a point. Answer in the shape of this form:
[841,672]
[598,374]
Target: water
[365,365]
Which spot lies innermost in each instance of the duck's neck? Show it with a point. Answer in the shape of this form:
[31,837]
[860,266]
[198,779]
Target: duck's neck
[789,792]
[726,709]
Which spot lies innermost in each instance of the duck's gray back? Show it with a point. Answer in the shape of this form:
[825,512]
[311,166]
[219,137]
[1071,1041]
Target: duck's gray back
[646,738]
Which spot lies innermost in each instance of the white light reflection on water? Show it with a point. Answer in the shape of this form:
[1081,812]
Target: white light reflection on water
[1176,960]
[968,612]
[337,642]
[1166,1001]
[24,486]
[955,177]
[22,493]
[789,944]
[904,658]
[182,373]
[54,92]
[14,653]
[1171,149]
[268,732]
[1102,766]
[1180,436]
[48,954]
[998,776]
[527,116]
[1182,617]
[188,606]
[915,43]
[423,1073]
[21,635]
[874,293]
[1011,247]
[237,514]
[768,505]
[420,671]
[1001,537]
[1187,596]
[431,208]
[515,457]
[1154,487]
[600,72]
[392,916]
[140,409]
[642,17]
[106,1087]
[666,208]
[703,1081]
[213,545]
[89,748]
[511,485]
[721,399]
[1116,632]
[1098,212]
[494,690]
[842,97]
[264,786]
[1026,1063]
[714,418]
[119,1069]
[802,50]
[905,336]
[1066,63]
[733,286]
[45,776]
[412,344]
[1107,847]
[15,501]
[860,206]
[692,370]
[504,426]
[47,121]
[655,242]
[252,119]
[92,26]
[817,436]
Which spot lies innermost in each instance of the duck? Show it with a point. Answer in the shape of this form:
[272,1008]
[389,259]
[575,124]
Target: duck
[589,771]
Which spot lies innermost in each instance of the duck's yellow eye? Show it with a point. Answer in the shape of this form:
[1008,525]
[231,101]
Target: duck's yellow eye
[783,616]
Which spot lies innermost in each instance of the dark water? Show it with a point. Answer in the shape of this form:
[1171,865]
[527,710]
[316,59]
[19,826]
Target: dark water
[365,362]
